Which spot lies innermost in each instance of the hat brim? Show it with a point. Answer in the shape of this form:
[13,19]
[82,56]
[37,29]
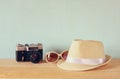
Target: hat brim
[81,67]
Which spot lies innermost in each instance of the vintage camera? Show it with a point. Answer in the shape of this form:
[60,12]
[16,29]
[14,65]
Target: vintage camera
[32,52]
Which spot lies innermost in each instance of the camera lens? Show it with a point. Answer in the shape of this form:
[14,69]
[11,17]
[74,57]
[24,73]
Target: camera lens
[35,58]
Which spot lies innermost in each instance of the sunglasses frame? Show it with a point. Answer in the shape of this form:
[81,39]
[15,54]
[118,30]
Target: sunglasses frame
[59,56]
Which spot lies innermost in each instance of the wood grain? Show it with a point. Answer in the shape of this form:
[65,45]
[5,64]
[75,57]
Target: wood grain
[11,69]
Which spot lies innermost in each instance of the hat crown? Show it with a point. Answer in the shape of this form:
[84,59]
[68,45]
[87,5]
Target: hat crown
[88,49]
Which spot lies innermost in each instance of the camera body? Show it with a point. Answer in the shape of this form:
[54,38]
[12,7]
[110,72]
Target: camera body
[32,52]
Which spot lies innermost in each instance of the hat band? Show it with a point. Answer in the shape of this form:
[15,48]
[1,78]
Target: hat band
[86,61]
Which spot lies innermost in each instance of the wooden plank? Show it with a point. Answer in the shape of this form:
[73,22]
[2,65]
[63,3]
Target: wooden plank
[11,69]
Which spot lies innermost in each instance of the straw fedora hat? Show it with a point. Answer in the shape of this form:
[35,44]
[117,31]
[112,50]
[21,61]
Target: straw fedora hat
[84,55]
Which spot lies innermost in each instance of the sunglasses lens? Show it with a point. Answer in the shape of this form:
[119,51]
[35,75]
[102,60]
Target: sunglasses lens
[64,55]
[51,57]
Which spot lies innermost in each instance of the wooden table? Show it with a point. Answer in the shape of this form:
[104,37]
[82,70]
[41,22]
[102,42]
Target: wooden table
[11,69]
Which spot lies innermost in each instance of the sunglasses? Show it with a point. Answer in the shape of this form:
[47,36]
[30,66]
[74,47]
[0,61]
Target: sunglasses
[53,56]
